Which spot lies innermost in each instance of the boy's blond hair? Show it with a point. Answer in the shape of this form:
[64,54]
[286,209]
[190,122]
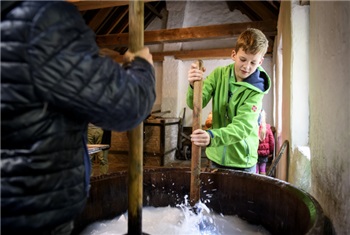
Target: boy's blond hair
[252,41]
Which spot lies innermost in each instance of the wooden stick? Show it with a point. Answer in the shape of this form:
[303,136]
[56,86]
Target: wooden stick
[196,150]
[135,173]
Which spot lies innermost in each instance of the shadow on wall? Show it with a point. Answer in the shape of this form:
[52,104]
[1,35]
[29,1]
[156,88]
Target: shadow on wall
[328,227]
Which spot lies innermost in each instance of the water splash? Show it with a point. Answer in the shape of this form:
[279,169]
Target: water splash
[179,220]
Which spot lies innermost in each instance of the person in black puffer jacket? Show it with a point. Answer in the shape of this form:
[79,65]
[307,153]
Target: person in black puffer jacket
[53,83]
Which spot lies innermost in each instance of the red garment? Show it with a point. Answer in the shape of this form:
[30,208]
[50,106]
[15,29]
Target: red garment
[267,145]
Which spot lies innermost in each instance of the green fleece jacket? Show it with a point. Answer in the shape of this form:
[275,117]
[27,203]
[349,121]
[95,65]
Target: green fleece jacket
[236,107]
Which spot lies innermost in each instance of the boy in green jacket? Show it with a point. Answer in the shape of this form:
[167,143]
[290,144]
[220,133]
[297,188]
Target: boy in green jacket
[237,91]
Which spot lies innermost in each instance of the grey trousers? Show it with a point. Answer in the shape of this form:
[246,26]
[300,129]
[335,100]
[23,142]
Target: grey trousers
[249,170]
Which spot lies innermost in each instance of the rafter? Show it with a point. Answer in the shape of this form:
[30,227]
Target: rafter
[222,53]
[189,34]
[84,5]
[153,10]
[259,8]
[116,22]
[99,18]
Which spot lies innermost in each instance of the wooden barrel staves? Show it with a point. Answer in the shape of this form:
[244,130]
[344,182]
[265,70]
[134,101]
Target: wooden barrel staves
[278,206]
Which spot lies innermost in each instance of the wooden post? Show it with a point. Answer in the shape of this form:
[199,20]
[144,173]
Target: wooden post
[196,150]
[135,173]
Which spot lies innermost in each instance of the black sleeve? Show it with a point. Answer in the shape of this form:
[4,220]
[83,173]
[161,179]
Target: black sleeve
[70,75]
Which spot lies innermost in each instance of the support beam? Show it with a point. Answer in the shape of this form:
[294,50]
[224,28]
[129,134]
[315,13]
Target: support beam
[135,169]
[261,9]
[99,18]
[190,34]
[84,5]
[221,53]
[154,10]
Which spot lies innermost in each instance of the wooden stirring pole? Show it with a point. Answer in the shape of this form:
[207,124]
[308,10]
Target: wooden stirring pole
[196,150]
[135,173]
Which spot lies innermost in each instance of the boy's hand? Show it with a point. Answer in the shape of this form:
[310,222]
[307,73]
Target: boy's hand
[200,138]
[194,74]
[143,53]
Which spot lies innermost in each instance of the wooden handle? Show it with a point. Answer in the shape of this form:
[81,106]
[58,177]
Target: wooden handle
[135,173]
[196,150]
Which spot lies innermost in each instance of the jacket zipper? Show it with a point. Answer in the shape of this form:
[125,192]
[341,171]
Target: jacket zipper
[230,94]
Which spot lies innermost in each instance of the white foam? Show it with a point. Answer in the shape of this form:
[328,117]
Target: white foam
[178,220]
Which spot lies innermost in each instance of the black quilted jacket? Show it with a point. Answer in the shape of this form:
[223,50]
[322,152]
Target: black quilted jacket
[52,84]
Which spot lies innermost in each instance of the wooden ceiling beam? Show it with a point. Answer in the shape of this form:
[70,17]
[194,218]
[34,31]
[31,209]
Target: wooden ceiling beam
[117,21]
[244,8]
[223,53]
[220,53]
[190,34]
[92,5]
[153,10]
[84,5]
[304,2]
[98,19]
[259,8]
[232,5]
[104,24]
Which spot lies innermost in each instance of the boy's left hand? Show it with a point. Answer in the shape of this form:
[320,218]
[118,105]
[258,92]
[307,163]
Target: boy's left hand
[200,138]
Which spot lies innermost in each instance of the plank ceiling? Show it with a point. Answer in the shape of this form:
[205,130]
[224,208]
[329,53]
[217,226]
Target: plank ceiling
[110,21]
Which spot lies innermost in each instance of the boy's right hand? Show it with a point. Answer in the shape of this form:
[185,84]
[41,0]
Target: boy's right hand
[195,74]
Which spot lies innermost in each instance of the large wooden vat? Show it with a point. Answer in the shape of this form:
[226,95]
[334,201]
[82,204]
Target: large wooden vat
[278,206]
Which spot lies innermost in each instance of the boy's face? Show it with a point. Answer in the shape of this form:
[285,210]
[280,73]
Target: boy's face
[245,64]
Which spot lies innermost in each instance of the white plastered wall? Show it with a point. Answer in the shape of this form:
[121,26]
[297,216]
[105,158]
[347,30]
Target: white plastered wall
[292,93]
[330,109]
[319,154]
[299,162]
[299,172]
